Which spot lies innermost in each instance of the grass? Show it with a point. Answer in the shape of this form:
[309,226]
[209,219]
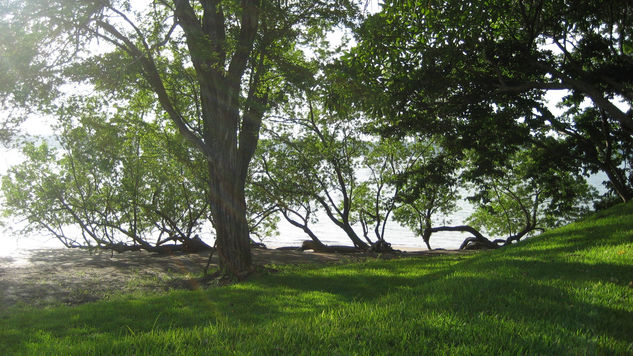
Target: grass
[566,292]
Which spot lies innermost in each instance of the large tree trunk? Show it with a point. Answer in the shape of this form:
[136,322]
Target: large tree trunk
[228,208]
[220,70]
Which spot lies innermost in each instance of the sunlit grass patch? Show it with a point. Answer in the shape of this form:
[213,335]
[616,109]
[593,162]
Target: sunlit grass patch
[565,292]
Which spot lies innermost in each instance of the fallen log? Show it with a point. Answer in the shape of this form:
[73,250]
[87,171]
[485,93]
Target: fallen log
[381,246]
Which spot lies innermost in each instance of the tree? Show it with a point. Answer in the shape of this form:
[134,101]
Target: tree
[214,67]
[323,152]
[530,196]
[478,73]
[280,177]
[375,199]
[388,193]
[107,174]
[597,144]
[428,187]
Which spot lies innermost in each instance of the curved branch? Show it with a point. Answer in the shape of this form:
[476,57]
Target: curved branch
[595,95]
[477,236]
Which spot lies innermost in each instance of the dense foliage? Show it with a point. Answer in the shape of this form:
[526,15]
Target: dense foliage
[213,68]
[160,108]
[109,176]
[480,73]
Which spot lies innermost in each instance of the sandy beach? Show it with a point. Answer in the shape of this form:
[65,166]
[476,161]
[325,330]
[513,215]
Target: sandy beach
[72,276]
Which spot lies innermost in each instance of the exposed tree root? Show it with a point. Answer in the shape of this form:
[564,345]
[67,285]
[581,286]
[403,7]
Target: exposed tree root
[381,246]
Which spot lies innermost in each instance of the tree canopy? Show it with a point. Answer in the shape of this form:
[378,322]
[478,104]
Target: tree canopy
[478,74]
[213,67]
[160,106]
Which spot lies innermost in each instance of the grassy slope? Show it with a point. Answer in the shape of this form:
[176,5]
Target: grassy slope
[565,292]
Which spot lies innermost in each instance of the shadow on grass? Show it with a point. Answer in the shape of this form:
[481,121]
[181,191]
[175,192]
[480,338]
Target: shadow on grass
[428,283]
[532,292]
[74,276]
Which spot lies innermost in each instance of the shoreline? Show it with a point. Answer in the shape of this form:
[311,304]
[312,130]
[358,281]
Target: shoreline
[41,277]
[11,241]
[20,252]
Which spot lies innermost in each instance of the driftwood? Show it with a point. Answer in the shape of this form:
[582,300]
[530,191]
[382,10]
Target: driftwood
[189,246]
[258,245]
[381,246]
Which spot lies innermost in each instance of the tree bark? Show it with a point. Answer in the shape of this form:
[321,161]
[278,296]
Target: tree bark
[343,223]
[354,237]
[222,117]
[617,182]
[228,209]
[477,236]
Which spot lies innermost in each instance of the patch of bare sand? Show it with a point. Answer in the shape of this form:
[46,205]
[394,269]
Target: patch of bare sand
[74,276]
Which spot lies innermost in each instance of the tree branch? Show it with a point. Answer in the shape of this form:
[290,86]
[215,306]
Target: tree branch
[246,38]
[153,77]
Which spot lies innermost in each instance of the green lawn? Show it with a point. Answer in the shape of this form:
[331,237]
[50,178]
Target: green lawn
[569,291]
